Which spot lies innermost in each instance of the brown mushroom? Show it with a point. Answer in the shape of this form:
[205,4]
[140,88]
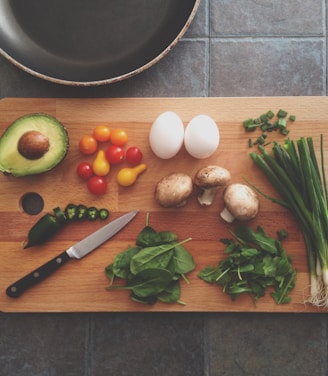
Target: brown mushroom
[173,190]
[241,203]
[209,180]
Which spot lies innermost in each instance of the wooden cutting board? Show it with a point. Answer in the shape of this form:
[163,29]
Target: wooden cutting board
[80,285]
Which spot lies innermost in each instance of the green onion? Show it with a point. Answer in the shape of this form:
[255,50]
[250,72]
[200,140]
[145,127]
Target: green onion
[266,123]
[295,173]
[282,113]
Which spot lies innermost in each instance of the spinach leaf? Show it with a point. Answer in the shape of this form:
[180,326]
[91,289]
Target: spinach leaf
[183,260]
[121,265]
[254,262]
[155,256]
[150,300]
[152,268]
[171,294]
[207,273]
[258,238]
[144,239]
[149,237]
[148,282]
[109,273]
[150,257]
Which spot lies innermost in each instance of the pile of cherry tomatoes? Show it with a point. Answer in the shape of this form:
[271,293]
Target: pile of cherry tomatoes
[113,154]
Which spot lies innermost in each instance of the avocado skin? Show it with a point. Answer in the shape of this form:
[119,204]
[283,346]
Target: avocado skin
[14,164]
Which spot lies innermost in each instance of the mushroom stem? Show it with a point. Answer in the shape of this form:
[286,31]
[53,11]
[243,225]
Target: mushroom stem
[207,195]
[227,216]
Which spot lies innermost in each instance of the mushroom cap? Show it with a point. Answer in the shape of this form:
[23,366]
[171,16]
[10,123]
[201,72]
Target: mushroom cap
[212,176]
[241,201]
[173,190]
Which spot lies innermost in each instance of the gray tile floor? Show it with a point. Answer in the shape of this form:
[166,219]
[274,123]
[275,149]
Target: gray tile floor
[233,48]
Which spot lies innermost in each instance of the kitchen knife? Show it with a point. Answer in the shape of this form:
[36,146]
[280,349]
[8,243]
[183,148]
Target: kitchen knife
[77,251]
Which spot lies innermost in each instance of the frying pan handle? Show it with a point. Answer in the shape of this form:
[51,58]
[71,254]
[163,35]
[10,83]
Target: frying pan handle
[39,274]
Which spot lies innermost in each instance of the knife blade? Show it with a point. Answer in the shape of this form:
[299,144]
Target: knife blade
[77,251]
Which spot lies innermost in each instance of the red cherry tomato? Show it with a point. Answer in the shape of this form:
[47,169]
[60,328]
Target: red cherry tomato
[133,155]
[114,154]
[84,170]
[97,185]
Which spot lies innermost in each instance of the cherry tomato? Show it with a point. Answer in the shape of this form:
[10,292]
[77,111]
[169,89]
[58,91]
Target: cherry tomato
[100,165]
[97,185]
[115,154]
[101,133]
[84,170]
[133,155]
[88,144]
[128,175]
[118,137]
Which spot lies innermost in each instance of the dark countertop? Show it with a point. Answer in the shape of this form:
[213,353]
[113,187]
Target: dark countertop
[233,48]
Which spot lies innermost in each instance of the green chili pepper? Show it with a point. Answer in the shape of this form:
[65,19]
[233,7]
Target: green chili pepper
[43,229]
[103,214]
[92,213]
[49,224]
[71,212]
[60,216]
[82,212]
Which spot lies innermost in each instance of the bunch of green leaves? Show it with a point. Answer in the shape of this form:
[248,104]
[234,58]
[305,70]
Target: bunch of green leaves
[153,267]
[254,263]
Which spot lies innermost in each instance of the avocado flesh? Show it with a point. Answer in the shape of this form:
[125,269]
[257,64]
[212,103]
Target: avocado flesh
[13,163]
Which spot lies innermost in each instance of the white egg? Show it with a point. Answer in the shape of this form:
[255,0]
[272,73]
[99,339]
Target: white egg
[202,137]
[166,135]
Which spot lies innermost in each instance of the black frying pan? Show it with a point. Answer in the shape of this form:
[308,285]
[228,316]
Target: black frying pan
[91,42]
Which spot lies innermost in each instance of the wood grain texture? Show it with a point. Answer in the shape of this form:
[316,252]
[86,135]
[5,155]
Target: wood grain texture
[80,285]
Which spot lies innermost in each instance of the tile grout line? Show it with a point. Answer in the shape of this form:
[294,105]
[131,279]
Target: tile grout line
[208,51]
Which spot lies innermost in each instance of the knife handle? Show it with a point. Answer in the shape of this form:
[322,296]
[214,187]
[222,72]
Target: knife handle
[39,274]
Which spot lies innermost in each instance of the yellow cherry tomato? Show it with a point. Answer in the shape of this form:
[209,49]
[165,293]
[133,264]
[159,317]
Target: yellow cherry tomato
[128,175]
[100,165]
[101,133]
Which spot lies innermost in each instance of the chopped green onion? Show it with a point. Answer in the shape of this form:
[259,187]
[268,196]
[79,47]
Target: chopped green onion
[248,122]
[264,118]
[265,122]
[270,114]
[282,113]
[282,123]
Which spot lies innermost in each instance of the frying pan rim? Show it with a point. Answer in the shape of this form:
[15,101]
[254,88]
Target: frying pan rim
[109,80]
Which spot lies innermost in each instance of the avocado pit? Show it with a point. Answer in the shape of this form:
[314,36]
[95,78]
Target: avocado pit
[33,145]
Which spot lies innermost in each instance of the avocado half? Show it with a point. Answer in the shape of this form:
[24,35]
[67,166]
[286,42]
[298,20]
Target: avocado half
[33,144]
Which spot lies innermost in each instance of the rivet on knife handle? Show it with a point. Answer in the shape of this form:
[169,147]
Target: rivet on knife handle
[31,279]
